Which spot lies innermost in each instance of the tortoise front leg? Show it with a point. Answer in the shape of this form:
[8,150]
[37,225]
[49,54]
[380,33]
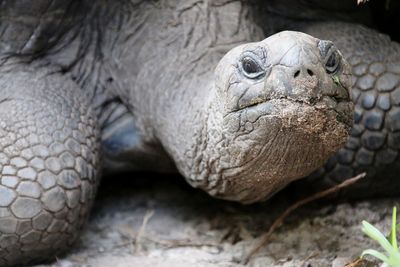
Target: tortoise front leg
[49,153]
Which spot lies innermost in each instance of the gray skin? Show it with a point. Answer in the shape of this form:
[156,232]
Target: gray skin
[374,144]
[105,85]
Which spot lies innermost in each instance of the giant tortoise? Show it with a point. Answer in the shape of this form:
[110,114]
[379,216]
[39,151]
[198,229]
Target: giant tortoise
[91,87]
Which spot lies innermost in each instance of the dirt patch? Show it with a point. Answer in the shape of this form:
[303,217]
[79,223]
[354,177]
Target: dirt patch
[146,221]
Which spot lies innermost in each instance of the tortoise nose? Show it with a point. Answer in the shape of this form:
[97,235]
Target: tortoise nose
[304,81]
[303,71]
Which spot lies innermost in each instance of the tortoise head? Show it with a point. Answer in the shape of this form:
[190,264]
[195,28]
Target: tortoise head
[280,108]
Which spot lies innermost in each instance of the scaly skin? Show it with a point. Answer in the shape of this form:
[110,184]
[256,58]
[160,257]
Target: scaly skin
[375,139]
[236,137]
[374,143]
[49,161]
[212,144]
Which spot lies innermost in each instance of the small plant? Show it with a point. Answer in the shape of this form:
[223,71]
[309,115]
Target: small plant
[392,255]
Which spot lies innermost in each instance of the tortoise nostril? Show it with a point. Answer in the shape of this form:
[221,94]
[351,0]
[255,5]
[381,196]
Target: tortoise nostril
[298,72]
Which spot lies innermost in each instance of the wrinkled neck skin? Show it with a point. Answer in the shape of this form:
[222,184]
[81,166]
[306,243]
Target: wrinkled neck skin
[159,59]
[173,88]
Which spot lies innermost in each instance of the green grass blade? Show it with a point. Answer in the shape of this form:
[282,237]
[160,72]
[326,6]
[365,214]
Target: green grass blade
[393,235]
[376,235]
[376,254]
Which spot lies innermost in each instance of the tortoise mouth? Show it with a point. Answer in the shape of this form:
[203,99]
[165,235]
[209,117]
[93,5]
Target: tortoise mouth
[288,140]
[343,108]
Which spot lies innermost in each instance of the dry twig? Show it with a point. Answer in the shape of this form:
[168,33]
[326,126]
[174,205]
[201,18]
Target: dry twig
[142,229]
[279,221]
[361,262]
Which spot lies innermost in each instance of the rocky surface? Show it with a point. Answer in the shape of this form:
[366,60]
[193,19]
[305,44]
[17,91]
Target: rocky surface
[139,220]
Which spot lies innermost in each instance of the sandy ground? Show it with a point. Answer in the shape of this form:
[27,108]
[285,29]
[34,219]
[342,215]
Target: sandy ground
[162,222]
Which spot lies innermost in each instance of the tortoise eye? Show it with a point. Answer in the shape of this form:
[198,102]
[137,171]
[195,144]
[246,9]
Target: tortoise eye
[251,68]
[332,64]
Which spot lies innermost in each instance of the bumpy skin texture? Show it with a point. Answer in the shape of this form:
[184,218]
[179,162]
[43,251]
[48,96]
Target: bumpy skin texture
[215,148]
[374,143]
[238,134]
[375,139]
[48,162]
[140,76]
[259,123]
